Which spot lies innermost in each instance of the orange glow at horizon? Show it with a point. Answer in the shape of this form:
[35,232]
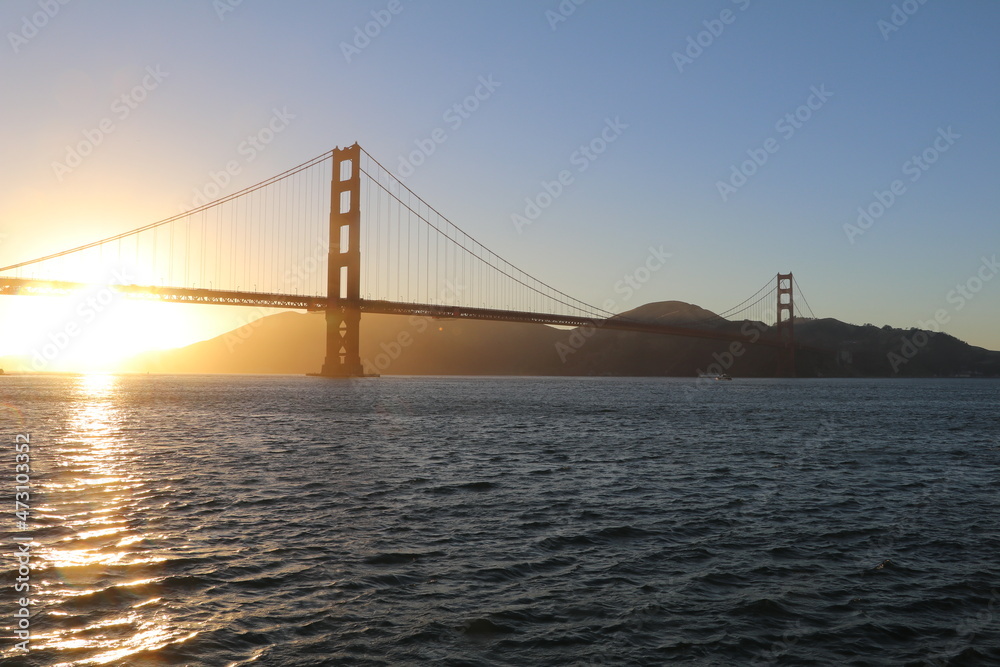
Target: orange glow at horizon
[97,330]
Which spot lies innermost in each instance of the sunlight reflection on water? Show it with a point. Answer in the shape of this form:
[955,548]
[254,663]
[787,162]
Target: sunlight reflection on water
[228,520]
[92,495]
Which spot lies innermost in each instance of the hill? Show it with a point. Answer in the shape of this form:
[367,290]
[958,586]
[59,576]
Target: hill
[294,343]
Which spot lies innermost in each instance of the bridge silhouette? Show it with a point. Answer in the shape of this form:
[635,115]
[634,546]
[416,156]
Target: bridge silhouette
[297,241]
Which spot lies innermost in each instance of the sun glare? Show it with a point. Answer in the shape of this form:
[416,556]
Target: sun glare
[94,330]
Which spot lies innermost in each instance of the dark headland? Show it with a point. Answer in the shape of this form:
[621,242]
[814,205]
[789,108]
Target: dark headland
[293,343]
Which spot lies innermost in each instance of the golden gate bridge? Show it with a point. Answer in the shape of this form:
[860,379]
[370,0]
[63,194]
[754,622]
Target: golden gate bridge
[297,240]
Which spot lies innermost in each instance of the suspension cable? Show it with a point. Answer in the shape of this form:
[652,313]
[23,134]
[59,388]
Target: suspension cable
[180,216]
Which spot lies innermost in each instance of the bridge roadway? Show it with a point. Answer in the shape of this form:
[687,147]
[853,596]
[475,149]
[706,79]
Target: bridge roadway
[31,287]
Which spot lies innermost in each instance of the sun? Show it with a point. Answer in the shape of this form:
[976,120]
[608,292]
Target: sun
[93,330]
[96,329]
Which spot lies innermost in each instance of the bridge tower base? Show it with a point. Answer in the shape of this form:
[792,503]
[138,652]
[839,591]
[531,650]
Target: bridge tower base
[343,311]
[786,326]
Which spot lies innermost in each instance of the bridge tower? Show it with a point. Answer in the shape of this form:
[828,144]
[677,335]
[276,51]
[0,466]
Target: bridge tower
[343,311]
[786,325]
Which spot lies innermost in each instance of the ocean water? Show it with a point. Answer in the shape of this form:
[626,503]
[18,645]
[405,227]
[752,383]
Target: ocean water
[199,520]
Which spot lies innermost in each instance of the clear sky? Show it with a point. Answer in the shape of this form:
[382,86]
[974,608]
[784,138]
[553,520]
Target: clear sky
[746,135]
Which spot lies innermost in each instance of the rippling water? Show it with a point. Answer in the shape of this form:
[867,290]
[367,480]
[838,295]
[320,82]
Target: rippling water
[298,521]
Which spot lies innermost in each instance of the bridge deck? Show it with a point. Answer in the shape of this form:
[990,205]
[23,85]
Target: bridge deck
[30,287]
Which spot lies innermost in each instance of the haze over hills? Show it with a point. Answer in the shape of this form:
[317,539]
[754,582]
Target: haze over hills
[293,343]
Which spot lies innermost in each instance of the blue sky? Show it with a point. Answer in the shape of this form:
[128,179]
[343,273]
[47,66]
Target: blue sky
[888,95]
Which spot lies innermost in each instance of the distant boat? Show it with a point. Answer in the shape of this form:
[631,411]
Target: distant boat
[715,376]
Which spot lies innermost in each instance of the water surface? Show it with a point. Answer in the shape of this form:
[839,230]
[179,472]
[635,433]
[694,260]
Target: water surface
[197,520]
